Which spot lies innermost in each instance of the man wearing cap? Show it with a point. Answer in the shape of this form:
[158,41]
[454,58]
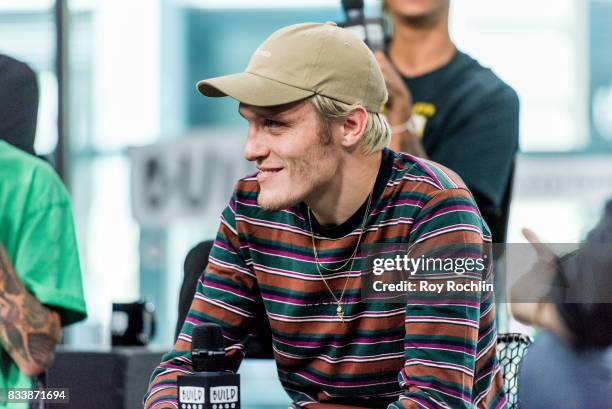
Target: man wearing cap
[292,235]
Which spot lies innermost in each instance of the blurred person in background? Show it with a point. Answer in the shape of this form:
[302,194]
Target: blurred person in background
[445,106]
[40,277]
[570,364]
[290,234]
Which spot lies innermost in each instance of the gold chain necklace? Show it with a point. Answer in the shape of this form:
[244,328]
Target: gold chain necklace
[351,259]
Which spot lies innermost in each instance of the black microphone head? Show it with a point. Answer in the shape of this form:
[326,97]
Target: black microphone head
[207,336]
[352,4]
[207,351]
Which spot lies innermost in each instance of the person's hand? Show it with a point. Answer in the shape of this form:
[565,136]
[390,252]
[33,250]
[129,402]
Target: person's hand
[530,293]
[545,255]
[535,285]
[540,311]
[399,105]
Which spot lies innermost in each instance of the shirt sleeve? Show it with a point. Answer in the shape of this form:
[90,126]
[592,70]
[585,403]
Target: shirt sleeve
[442,330]
[226,294]
[46,257]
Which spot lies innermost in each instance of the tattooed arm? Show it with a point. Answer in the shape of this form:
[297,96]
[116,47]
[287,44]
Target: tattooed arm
[29,331]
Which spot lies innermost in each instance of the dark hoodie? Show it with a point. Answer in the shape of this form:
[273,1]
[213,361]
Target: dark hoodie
[18,103]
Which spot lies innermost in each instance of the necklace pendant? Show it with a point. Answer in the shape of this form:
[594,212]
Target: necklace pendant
[340,312]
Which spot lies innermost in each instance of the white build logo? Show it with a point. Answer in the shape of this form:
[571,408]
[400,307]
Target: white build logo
[221,397]
[192,394]
[223,394]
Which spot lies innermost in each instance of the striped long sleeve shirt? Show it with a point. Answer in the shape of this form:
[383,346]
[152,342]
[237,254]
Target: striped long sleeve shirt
[432,353]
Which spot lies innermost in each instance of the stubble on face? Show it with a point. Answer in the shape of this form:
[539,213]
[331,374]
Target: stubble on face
[273,200]
[308,173]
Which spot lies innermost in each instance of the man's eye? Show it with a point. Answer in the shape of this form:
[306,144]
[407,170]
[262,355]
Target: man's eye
[269,123]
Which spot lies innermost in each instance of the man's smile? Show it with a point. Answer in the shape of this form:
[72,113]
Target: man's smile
[266,173]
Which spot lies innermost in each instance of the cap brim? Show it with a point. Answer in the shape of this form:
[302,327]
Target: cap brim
[252,89]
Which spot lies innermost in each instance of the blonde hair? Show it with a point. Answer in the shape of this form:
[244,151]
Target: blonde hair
[377,133]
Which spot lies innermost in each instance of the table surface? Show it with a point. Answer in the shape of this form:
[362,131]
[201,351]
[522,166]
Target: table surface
[259,384]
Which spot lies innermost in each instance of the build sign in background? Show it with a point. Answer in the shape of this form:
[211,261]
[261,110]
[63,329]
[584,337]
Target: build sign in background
[192,177]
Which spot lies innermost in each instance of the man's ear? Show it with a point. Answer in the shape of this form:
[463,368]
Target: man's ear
[353,127]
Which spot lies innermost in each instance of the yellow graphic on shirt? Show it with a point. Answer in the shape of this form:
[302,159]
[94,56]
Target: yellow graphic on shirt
[424,108]
[421,112]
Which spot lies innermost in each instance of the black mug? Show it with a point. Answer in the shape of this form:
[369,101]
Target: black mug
[132,324]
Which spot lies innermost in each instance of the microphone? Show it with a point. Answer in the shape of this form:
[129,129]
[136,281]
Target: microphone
[210,386]
[370,30]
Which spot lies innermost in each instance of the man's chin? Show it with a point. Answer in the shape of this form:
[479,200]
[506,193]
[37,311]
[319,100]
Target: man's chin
[274,204]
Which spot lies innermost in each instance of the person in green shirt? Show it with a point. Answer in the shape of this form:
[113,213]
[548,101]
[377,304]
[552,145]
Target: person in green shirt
[40,277]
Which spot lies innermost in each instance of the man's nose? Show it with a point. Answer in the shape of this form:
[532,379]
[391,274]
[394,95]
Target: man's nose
[256,147]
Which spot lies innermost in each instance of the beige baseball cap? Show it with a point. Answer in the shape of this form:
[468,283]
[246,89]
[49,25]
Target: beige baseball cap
[302,60]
